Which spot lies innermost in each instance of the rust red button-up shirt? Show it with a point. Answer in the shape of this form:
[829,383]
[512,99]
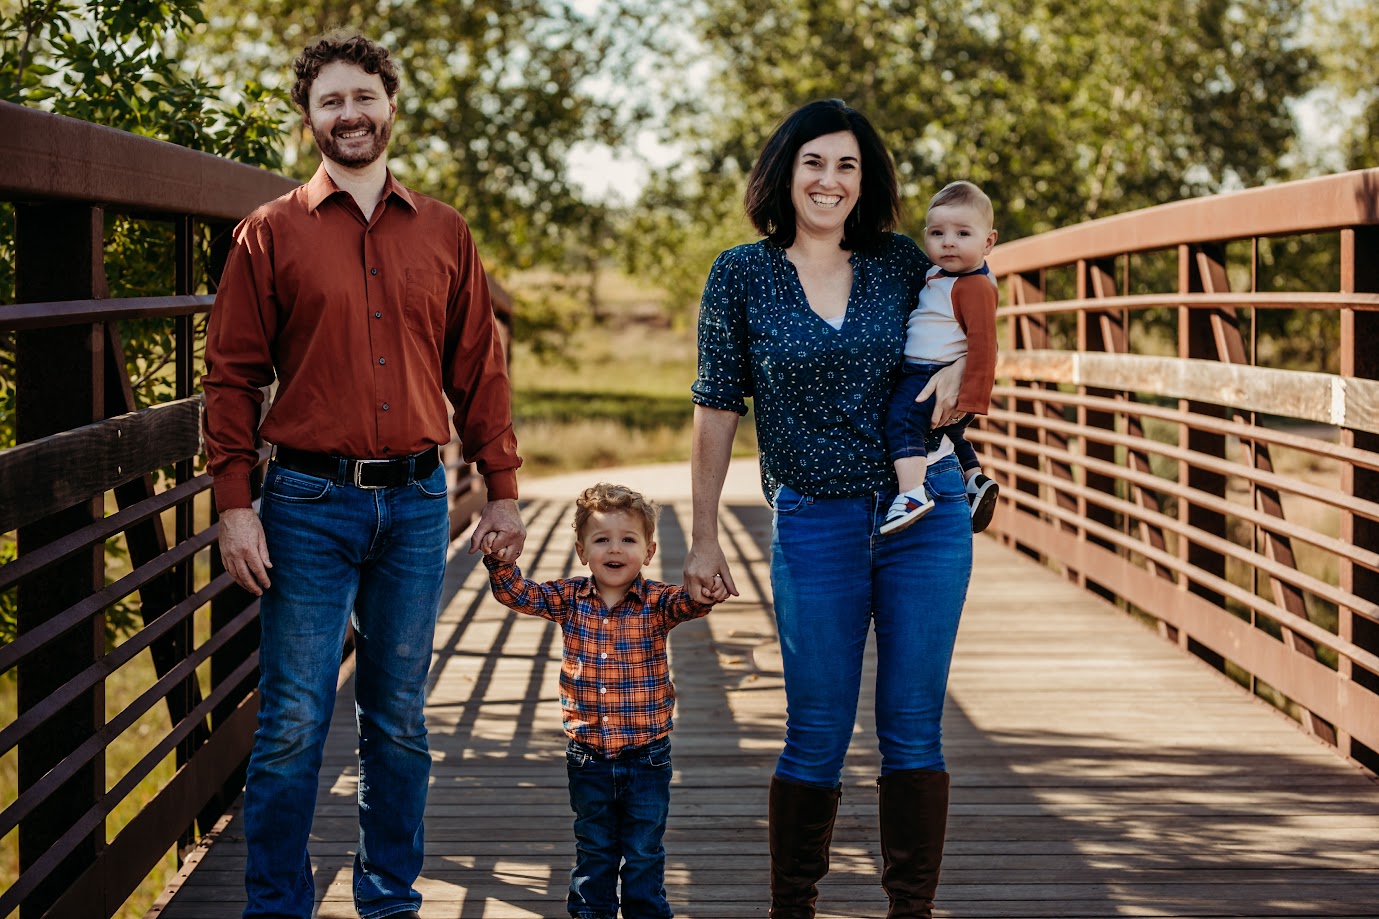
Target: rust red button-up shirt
[367,326]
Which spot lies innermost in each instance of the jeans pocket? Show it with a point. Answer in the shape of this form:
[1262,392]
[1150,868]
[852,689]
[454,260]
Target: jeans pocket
[434,485]
[787,501]
[286,485]
[657,753]
[945,482]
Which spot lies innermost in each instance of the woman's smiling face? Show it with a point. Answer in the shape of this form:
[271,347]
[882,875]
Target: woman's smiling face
[826,183]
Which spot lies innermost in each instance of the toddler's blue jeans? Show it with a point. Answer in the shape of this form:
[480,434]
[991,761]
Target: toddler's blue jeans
[620,806]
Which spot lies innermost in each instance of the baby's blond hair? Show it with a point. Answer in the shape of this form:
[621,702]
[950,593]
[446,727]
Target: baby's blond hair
[606,498]
[965,194]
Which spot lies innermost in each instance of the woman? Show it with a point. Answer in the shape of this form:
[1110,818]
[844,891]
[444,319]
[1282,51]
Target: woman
[810,323]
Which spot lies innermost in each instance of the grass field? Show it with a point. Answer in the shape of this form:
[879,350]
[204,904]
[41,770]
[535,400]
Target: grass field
[623,398]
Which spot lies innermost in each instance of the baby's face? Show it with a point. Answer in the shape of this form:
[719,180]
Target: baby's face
[957,237]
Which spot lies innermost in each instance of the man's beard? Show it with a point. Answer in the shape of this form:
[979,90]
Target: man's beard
[355,155]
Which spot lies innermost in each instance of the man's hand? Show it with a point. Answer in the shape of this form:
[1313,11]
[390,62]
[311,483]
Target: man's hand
[244,550]
[500,531]
[707,578]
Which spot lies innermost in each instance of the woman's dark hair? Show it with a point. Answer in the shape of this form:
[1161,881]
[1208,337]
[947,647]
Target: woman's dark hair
[768,187]
[349,47]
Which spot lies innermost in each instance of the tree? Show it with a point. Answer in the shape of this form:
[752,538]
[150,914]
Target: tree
[495,94]
[1060,110]
[1347,43]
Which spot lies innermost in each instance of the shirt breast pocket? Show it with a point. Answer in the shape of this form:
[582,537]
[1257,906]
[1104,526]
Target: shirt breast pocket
[424,308]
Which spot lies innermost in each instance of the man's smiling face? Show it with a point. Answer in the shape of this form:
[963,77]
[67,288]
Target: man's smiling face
[350,114]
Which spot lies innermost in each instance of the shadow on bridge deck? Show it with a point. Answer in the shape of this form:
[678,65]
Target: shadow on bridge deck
[1097,770]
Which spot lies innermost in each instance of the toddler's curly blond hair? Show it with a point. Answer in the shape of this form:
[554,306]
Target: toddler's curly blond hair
[606,498]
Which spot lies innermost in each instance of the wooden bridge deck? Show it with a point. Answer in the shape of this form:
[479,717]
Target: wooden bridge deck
[1097,771]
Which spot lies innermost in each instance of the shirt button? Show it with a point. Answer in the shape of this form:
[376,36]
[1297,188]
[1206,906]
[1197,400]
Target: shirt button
[382,360]
[605,620]
[603,689]
[385,406]
[603,656]
[377,315]
[373,271]
[605,719]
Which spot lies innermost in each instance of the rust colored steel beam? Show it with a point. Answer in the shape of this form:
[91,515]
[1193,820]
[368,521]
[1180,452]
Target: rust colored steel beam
[73,312]
[1349,199]
[1279,301]
[53,158]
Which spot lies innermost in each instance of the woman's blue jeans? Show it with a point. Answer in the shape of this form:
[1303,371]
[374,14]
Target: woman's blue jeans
[834,577]
[374,558]
[620,806]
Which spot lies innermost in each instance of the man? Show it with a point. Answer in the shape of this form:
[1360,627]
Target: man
[368,304]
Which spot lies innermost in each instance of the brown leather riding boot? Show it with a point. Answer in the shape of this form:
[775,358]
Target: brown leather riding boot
[914,818]
[800,826]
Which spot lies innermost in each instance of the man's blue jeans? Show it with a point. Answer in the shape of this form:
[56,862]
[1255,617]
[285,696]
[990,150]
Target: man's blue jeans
[374,558]
[833,577]
[620,806]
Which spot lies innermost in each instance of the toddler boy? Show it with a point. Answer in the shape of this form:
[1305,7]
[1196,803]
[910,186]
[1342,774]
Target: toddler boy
[616,696]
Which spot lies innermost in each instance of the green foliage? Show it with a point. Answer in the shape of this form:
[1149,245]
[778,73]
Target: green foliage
[1061,111]
[1347,41]
[495,95]
[638,411]
[119,64]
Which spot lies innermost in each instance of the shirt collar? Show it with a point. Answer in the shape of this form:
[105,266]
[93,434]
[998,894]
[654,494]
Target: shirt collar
[634,590]
[322,186]
[945,273]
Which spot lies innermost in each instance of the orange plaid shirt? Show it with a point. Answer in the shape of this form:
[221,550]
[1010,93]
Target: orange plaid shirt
[615,688]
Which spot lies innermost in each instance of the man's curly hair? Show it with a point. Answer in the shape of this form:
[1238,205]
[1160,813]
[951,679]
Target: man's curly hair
[350,47]
[606,498]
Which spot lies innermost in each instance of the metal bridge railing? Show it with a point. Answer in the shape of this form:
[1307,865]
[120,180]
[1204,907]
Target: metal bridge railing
[1146,446]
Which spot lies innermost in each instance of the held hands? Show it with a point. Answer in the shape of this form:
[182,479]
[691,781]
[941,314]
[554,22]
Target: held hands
[944,386]
[243,549]
[500,531]
[707,578]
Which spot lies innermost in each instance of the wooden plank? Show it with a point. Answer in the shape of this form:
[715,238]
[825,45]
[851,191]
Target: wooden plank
[1325,398]
[1097,770]
[54,472]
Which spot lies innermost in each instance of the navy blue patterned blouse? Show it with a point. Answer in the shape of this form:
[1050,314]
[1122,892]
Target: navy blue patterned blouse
[819,393]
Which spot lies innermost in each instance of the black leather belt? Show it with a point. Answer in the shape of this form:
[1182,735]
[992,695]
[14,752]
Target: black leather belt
[361,473]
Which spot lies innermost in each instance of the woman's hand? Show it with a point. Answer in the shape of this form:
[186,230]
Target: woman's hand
[944,386]
[707,578]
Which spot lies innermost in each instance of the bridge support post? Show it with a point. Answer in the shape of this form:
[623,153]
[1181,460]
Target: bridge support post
[1359,358]
[1101,331]
[1197,339]
[59,377]
[230,603]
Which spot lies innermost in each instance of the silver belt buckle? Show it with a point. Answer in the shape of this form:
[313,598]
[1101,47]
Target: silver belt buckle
[359,469]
